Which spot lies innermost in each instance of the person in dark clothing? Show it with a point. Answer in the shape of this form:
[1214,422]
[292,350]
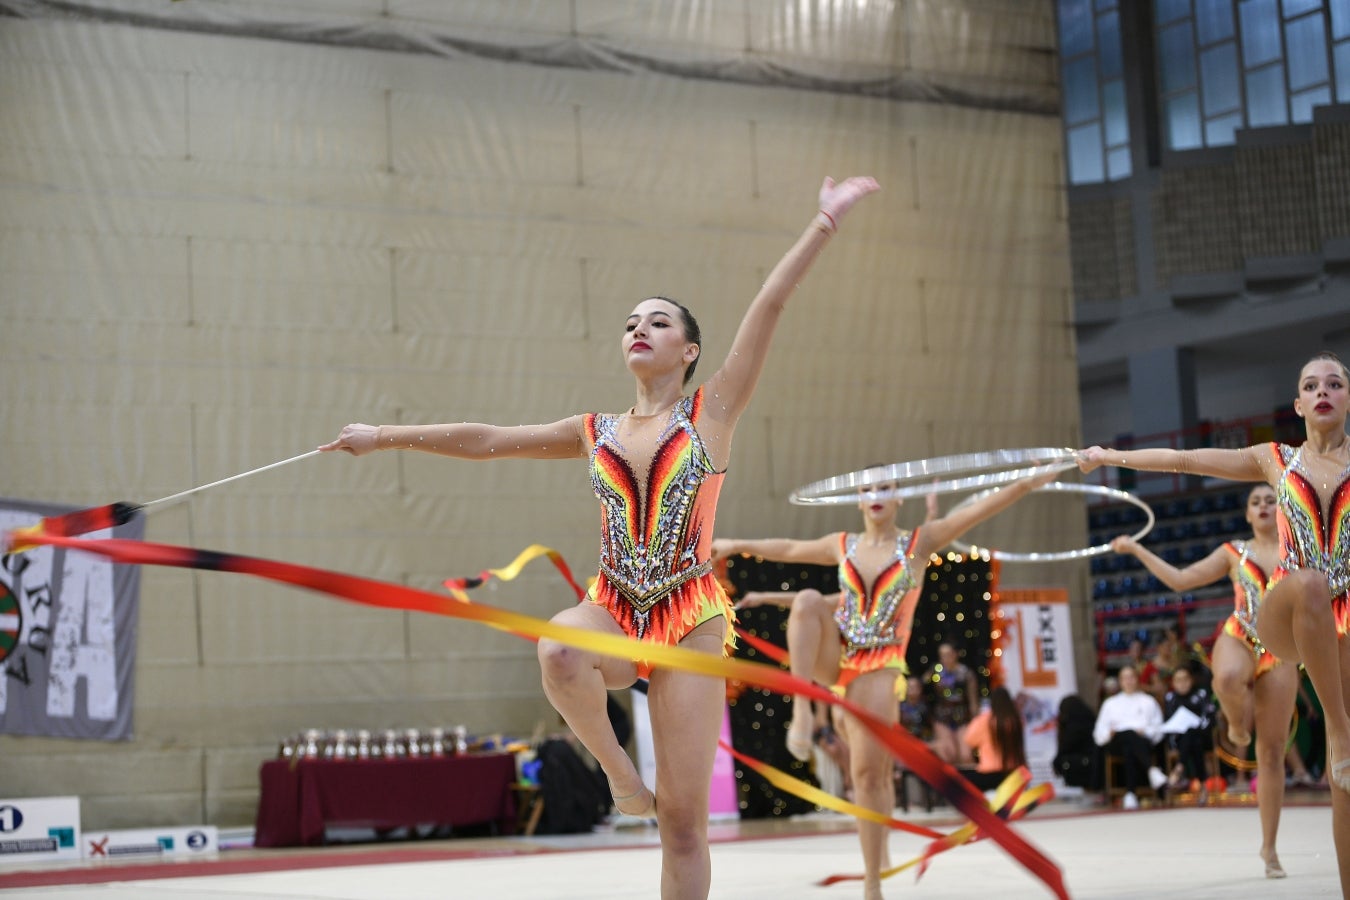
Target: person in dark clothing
[1191,745]
[1077,756]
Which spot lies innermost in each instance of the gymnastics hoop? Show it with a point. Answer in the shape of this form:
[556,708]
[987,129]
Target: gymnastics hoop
[926,476]
[1059,555]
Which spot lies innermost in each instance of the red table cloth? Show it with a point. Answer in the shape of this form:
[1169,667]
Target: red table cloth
[298,800]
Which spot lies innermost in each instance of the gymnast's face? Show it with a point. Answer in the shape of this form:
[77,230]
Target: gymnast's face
[878,503]
[1323,394]
[654,340]
[1261,509]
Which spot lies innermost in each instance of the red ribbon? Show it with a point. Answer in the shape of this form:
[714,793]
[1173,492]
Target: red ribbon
[370,592]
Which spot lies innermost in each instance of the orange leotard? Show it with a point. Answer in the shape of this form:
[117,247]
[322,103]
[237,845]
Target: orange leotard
[874,622]
[1308,538]
[656,529]
[1249,586]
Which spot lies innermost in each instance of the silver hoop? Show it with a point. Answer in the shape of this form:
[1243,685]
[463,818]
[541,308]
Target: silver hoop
[925,476]
[1060,555]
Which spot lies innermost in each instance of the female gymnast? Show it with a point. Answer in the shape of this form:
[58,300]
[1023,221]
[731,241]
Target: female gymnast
[1305,613]
[657,470]
[857,639]
[1254,688]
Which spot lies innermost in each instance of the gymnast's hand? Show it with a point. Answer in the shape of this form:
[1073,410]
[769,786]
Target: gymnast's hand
[1091,458]
[1124,544]
[753,599]
[721,549]
[837,199]
[358,440]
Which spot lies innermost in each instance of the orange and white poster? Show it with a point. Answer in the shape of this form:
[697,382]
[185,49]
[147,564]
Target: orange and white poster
[1038,668]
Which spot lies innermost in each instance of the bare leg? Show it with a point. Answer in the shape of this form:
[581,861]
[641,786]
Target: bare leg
[873,782]
[944,743]
[1340,800]
[686,712]
[1275,693]
[1296,624]
[1234,670]
[813,652]
[965,754]
[576,682]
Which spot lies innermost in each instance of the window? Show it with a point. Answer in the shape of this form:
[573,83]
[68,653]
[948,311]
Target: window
[1230,64]
[1096,123]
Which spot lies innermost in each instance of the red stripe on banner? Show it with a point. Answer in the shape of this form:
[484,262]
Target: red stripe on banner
[370,592]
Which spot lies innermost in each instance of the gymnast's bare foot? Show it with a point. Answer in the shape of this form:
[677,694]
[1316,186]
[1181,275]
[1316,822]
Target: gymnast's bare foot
[799,738]
[641,804]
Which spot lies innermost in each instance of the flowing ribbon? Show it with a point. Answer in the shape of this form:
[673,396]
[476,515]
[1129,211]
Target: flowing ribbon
[370,592]
[785,782]
[80,521]
[511,570]
[1012,801]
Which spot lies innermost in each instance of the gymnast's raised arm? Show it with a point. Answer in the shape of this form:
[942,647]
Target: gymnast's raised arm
[734,383]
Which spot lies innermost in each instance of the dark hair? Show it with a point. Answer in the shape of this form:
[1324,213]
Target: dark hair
[1072,705]
[1330,357]
[1007,728]
[692,333]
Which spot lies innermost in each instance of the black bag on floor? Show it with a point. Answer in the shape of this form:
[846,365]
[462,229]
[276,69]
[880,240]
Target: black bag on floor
[575,796]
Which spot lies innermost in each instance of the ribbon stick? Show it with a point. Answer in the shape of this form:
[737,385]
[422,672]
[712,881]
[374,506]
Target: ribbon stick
[370,592]
[97,518]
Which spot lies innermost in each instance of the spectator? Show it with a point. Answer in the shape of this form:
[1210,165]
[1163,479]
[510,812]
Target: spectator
[1195,742]
[955,702]
[915,716]
[1130,724]
[995,736]
[1077,755]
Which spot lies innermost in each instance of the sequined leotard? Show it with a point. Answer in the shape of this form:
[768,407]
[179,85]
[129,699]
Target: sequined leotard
[656,537]
[1249,586]
[874,624]
[1308,540]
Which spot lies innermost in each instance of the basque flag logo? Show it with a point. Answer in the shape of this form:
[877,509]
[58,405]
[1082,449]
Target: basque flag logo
[11,621]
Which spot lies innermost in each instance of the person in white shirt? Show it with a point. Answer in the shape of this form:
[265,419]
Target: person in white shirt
[1130,724]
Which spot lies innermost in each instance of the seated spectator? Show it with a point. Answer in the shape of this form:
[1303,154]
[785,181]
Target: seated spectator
[995,736]
[915,716]
[1194,743]
[955,700]
[1130,724]
[1076,754]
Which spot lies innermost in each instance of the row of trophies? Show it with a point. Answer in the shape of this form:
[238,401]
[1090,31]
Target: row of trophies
[392,743]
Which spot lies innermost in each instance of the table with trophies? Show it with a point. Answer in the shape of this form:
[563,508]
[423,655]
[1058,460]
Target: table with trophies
[397,779]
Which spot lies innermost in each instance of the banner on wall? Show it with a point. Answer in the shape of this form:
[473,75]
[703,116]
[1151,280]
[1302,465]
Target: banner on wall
[67,635]
[1038,666]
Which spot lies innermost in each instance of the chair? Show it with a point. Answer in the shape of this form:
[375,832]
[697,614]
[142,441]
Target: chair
[529,806]
[1113,774]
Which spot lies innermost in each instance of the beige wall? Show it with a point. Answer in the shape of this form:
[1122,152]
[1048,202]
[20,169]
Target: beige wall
[215,251]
